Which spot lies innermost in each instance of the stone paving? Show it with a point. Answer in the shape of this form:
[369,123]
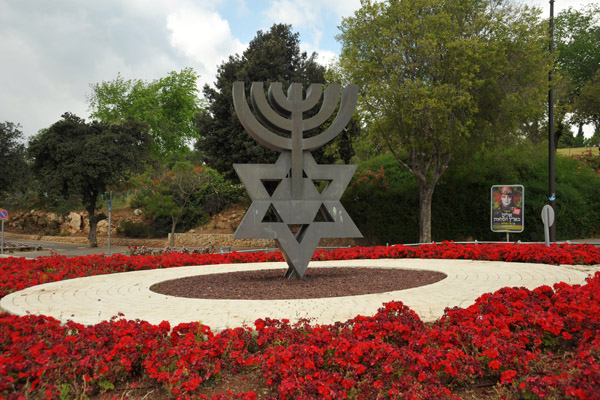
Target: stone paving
[93,299]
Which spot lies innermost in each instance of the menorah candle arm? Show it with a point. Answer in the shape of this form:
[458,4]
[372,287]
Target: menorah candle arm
[313,95]
[252,126]
[265,112]
[278,99]
[283,104]
[347,105]
[330,101]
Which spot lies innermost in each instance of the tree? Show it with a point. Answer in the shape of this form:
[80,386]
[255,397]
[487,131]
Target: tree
[186,194]
[443,77]
[577,36]
[14,169]
[168,106]
[171,193]
[272,56]
[587,103]
[73,157]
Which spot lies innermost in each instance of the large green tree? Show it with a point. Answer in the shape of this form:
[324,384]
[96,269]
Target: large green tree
[588,103]
[167,105]
[578,60]
[440,78]
[73,157]
[272,56]
[577,37]
[14,170]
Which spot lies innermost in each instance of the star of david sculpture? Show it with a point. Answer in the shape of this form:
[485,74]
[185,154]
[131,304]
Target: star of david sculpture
[295,201]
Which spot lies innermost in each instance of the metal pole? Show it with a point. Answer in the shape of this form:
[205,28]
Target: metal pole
[2,251]
[551,149]
[109,220]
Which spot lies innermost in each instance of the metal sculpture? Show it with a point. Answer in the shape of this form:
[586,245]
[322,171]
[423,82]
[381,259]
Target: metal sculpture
[294,201]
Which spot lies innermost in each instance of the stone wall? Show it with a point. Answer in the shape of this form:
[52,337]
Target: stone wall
[227,240]
[49,222]
[74,228]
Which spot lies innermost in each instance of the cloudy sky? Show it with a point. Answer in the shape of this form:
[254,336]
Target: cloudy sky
[52,50]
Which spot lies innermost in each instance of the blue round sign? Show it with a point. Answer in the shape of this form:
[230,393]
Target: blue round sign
[3,214]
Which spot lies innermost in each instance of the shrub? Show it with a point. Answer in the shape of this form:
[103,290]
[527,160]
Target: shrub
[133,229]
[461,201]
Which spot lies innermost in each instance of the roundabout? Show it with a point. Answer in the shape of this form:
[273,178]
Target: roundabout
[91,300]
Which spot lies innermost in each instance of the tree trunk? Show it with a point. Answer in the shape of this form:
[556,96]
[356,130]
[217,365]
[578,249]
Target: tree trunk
[425,196]
[427,169]
[173,225]
[93,224]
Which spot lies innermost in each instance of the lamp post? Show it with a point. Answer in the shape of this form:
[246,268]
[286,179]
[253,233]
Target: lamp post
[551,149]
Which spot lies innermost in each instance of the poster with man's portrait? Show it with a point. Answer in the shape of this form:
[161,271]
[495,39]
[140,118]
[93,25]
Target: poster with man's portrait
[507,208]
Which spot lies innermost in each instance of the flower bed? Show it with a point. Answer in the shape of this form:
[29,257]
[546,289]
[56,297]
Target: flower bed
[543,343]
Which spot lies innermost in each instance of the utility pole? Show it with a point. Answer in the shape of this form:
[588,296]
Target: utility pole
[551,149]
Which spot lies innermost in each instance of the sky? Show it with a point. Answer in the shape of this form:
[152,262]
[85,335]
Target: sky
[53,50]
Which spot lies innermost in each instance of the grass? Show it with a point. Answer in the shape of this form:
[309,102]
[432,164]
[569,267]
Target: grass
[578,150]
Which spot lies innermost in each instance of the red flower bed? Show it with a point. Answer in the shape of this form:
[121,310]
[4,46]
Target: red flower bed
[542,343]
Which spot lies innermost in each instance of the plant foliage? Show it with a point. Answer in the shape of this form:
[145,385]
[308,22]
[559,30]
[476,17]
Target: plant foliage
[73,157]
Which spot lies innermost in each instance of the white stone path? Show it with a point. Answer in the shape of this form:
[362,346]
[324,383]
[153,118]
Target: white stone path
[93,299]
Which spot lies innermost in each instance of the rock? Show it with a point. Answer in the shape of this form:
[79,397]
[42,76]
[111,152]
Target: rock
[137,212]
[73,223]
[53,217]
[102,227]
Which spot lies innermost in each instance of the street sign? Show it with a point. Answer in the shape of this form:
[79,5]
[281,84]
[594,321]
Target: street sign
[548,215]
[548,220]
[3,214]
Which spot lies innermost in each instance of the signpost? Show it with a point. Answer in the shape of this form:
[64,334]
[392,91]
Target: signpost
[3,215]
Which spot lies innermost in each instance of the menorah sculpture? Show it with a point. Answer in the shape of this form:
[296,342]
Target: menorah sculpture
[303,205]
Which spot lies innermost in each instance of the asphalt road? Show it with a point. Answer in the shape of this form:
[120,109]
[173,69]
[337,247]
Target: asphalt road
[66,249]
[78,249]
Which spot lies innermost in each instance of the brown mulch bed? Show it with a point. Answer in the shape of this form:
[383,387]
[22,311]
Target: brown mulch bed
[317,283]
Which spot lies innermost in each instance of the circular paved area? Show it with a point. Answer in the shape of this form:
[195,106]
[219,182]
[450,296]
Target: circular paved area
[93,299]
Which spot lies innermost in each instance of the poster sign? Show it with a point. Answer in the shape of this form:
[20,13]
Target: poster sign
[507,208]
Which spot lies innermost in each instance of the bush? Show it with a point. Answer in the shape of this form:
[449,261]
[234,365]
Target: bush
[133,229]
[189,194]
[461,201]
[384,212]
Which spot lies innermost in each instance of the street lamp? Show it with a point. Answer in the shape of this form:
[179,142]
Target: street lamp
[551,149]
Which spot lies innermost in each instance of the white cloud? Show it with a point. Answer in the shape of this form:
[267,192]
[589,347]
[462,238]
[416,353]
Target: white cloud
[316,20]
[326,57]
[343,8]
[203,36]
[53,51]
[301,14]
